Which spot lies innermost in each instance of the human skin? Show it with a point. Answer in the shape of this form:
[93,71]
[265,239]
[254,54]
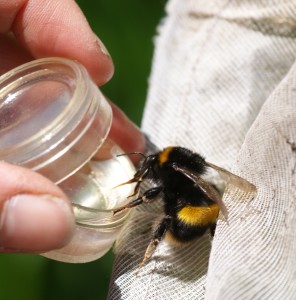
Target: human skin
[35,215]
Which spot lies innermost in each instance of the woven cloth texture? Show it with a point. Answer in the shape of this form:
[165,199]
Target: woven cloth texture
[223,84]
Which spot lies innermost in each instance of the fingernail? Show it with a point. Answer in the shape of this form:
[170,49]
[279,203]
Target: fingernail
[35,222]
[102,47]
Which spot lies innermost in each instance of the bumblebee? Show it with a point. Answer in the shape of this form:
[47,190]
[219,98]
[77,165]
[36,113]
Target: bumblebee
[191,204]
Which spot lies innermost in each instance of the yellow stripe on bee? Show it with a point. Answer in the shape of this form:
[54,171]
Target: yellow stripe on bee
[199,215]
[163,156]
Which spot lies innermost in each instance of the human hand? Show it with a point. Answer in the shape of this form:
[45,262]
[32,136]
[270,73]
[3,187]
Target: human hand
[35,215]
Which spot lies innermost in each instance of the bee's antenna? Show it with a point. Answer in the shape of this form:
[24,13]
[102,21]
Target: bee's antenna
[130,153]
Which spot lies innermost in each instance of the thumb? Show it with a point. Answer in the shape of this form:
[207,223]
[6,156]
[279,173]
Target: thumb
[35,215]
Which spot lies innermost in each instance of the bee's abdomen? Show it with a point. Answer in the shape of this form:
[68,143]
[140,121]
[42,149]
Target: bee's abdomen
[198,215]
[193,221]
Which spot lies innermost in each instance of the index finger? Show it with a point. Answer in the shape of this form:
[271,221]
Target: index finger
[56,28]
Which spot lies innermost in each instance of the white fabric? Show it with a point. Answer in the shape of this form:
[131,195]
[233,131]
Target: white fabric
[216,63]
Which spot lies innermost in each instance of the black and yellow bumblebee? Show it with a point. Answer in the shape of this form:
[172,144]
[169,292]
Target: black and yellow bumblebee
[191,204]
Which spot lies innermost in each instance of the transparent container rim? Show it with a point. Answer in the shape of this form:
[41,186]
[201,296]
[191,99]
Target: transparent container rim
[65,118]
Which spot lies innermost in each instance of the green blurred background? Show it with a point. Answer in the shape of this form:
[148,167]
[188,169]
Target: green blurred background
[127,29]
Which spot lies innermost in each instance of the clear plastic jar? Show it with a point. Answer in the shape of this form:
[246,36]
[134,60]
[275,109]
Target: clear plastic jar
[55,121]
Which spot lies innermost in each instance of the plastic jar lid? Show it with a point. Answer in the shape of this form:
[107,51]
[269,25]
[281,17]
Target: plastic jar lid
[49,118]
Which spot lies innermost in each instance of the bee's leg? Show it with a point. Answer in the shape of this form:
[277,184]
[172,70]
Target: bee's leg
[212,229]
[151,194]
[138,178]
[147,197]
[158,235]
[136,189]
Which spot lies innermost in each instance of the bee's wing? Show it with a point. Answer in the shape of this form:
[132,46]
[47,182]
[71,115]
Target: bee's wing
[235,180]
[208,189]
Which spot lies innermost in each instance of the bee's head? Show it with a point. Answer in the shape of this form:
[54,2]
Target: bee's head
[146,164]
[149,161]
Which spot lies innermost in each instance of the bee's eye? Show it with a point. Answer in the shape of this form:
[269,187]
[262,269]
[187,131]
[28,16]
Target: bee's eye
[150,160]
